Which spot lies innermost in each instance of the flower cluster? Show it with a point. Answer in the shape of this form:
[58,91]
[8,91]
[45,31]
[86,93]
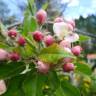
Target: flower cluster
[64,36]
[63,30]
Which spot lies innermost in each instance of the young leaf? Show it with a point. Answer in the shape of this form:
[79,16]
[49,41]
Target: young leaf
[29,25]
[69,90]
[30,3]
[53,80]
[84,38]
[53,53]
[62,88]
[45,6]
[14,86]
[11,69]
[33,84]
[83,68]
[59,92]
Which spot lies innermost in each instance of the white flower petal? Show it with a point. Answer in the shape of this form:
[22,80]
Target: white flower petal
[2,87]
[67,50]
[72,37]
[61,30]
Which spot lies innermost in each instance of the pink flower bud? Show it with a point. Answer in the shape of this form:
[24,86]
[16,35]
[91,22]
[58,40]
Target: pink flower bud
[76,50]
[21,41]
[41,16]
[70,27]
[42,68]
[12,33]
[3,54]
[58,19]
[14,56]
[68,67]
[72,22]
[65,43]
[68,60]
[2,87]
[38,36]
[49,40]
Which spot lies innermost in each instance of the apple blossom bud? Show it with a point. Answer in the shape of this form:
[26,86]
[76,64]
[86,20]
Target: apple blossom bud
[3,54]
[70,27]
[38,36]
[76,50]
[68,60]
[68,67]
[72,22]
[58,19]
[65,43]
[41,16]
[14,56]
[42,68]
[12,33]
[49,40]
[21,41]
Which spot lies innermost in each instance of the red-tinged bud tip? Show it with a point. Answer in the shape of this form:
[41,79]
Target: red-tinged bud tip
[12,33]
[14,56]
[41,16]
[68,67]
[21,41]
[38,36]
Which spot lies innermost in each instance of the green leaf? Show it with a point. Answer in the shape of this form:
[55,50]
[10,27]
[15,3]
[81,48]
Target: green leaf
[30,25]
[69,90]
[2,28]
[53,80]
[3,45]
[93,83]
[33,84]
[11,69]
[30,3]
[30,43]
[83,68]
[65,88]
[14,86]
[45,6]
[53,53]
[83,38]
[59,92]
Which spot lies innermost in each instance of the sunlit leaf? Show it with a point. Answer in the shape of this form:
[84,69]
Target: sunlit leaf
[53,53]
[83,38]
[83,68]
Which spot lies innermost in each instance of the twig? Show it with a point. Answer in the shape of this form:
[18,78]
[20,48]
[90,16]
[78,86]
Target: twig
[85,33]
[13,25]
